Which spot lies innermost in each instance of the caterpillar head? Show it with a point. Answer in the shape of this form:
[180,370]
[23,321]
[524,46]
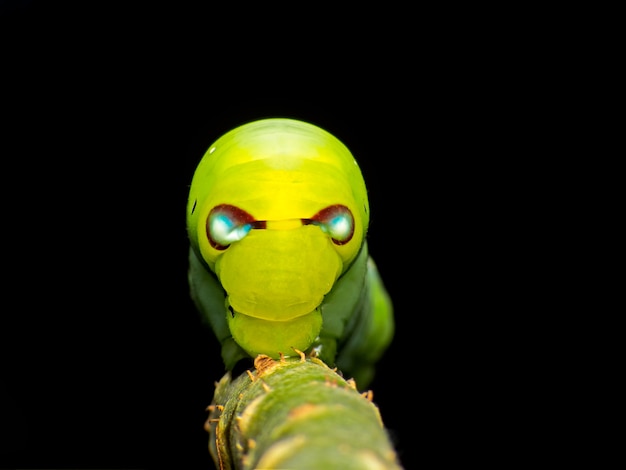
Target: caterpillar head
[278,210]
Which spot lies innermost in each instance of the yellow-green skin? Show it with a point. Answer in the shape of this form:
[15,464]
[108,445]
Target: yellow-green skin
[289,285]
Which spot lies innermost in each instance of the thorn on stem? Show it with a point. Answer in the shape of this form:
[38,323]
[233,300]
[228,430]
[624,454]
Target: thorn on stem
[302,355]
[262,363]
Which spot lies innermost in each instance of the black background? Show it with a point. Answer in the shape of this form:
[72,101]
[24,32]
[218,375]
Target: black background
[107,111]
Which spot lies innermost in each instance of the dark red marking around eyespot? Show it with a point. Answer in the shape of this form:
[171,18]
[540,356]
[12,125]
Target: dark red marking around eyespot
[236,215]
[329,213]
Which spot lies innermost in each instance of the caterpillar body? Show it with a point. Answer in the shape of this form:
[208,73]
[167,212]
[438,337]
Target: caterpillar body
[277,219]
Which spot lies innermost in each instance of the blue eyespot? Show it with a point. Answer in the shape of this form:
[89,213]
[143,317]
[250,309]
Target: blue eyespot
[227,224]
[337,221]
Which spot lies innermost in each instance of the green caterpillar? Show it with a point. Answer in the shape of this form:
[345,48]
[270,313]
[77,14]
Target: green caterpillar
[277,218]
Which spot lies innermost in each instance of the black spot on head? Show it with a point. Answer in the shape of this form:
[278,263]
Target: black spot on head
[194,206]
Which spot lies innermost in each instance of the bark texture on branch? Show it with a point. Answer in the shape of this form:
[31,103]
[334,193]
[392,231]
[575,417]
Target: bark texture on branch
[296,413]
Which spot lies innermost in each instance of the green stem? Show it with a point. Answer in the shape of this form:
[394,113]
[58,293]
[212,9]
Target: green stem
[296,413]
